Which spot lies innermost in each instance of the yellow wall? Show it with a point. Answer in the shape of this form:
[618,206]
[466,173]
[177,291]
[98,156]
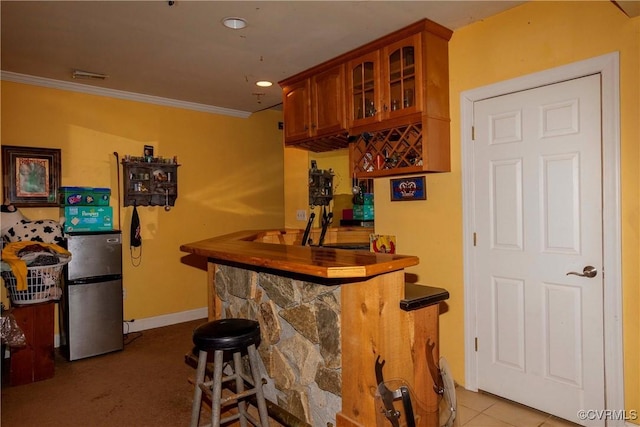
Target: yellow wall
[527,39]
[230,178]
[530,38]
[338,160]
[297,174]
[296,177]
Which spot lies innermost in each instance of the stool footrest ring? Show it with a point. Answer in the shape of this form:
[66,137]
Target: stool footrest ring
[235,397]
[249,418]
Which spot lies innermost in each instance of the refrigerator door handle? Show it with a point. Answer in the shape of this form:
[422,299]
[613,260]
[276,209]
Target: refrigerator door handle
[95,279]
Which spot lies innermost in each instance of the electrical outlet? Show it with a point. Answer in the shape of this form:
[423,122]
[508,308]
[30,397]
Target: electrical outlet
[301,215]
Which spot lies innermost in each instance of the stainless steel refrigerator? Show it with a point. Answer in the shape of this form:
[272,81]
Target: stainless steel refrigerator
[91,314]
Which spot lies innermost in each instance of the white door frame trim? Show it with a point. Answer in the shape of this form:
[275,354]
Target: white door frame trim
[608,67]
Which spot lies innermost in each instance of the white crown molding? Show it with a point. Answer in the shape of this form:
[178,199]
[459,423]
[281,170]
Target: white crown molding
[119,94]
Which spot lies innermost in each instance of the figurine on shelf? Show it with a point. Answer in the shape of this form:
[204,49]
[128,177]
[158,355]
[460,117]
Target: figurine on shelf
[159,175]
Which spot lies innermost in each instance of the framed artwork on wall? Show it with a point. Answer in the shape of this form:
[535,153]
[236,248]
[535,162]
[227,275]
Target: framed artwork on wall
[31,175]
[148,153]
[413,188]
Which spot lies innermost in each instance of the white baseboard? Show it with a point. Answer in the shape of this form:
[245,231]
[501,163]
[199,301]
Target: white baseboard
[156,322]
[165,320]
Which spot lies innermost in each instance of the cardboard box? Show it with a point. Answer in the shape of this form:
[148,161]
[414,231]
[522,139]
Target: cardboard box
[362,211]
[84,196]
[87,218]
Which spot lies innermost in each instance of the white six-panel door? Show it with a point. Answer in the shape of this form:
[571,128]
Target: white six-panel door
[538,216]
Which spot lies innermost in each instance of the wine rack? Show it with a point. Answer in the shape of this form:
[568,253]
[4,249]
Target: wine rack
[395,151]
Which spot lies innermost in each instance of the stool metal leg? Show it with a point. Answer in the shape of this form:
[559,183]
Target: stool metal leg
[242,406]
[197,394]
[257,383]
[217,387]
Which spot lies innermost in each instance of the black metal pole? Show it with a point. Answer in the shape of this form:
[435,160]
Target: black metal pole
[115,153]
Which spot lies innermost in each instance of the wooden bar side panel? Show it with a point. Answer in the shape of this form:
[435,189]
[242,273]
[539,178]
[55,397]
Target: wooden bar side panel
[425,327]
[342,421]
[372,325]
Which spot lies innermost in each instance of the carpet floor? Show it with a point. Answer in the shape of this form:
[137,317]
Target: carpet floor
[146,384]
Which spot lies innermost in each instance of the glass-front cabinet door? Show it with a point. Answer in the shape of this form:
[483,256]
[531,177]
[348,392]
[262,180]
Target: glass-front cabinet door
[403,84]
[364,90]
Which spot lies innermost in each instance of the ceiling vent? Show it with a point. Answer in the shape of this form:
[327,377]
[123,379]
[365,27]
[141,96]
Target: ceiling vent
[87,75]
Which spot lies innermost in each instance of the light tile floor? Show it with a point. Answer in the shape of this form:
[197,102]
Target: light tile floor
[485,410]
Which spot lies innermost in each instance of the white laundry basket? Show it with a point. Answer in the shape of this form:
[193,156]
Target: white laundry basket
[43,284]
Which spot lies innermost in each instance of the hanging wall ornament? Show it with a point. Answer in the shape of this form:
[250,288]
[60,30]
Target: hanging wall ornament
[135,238]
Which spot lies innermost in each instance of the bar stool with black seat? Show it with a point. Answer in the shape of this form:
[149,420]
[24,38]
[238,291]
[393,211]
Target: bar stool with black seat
[231,336]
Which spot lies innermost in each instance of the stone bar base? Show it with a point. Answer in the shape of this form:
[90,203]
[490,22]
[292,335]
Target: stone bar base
[300,348]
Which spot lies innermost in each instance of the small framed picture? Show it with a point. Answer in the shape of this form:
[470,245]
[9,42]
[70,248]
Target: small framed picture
[381,243]
[148,152]
[32,175]
[413,188]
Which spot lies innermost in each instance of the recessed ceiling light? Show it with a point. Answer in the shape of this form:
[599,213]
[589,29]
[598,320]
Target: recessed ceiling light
[234,23]
[264,83]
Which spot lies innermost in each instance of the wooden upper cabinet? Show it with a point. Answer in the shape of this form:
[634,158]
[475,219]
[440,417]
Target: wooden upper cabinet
[413,135]
[297,110]
[314,106]
[388,101]
[364,90]
[386,84]
[327,102]
[402,89]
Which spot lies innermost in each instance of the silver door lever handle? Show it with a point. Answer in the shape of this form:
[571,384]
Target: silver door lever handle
[588,271]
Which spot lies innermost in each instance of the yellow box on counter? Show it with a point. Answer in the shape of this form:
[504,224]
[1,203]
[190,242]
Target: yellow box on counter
[87,218]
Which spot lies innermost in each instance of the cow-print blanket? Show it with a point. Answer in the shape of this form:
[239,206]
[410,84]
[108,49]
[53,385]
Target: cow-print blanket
[17,228]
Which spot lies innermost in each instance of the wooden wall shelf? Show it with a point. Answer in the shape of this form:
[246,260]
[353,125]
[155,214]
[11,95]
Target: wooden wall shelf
[150,183]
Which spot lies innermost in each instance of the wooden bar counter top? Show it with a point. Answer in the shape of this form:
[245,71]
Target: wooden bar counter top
[257,248]
[372,324]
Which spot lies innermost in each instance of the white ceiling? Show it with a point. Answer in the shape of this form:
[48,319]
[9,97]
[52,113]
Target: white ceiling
[182,52]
